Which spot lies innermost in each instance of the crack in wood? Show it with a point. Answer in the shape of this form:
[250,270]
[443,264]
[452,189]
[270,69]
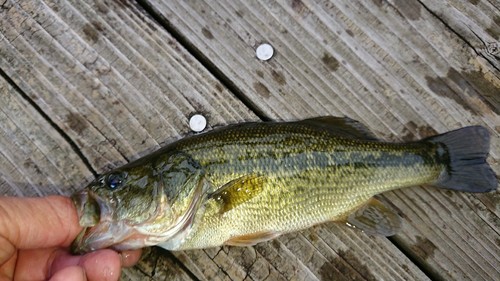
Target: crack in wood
[462,37]
[424,267]
[65,136]
[205,61]
[177,262]
[268,259]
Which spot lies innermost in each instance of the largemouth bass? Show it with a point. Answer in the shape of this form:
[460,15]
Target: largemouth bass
[251,182]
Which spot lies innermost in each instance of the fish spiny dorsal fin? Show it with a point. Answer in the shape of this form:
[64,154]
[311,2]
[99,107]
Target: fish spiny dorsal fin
[375,218]
[341,126]
[238,191]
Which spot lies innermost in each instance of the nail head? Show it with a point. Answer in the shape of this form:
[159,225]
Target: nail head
[197,122]
[264,52]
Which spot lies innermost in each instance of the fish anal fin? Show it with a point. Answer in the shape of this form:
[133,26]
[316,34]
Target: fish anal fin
[341,126]
[252,238]
[238,191]
[375,218]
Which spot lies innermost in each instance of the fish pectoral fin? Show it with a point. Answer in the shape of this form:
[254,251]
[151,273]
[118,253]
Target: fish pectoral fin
[342,127]
[238,191]
[252,238]
[375,218]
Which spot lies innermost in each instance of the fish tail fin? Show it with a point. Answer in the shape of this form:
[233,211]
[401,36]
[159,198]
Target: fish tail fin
[465,150]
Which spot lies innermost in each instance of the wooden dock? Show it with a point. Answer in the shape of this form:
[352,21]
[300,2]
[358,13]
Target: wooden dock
[86,86]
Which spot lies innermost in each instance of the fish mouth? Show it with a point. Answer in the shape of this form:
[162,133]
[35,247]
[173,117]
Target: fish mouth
[99,231]
[90,213]
[87,208]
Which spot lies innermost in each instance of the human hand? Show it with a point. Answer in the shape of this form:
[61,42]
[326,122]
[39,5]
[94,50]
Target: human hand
[35,234]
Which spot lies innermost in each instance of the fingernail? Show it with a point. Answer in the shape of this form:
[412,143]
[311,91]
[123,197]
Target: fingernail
[124,257]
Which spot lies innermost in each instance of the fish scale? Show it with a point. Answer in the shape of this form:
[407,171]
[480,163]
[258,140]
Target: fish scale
[247,183]
[306,195]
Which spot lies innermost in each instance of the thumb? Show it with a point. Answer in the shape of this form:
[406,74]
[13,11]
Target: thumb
[30,223]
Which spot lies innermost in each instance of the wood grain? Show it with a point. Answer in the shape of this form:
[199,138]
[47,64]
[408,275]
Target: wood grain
[112,81]
[101,83]
[393,65]
[35,160]
[476,22]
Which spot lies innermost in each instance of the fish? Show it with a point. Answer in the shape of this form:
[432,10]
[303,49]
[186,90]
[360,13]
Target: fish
[247,183]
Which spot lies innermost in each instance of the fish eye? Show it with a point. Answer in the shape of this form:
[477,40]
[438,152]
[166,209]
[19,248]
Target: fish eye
[115,180]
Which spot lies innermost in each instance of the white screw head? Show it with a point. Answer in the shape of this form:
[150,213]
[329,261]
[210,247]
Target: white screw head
[197,123]
[264,52]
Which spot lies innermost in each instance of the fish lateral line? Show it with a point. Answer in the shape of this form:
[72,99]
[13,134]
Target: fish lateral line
[251,182]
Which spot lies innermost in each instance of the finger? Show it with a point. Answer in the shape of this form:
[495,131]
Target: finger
[41,264]
[38,264]
[74,273]
[31,222]
[98,265]
[102,265]
[7,266]
[130,258]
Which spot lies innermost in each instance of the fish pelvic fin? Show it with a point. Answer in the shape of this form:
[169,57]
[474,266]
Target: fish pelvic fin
[238,191]
[252,238]
[465,151]
[375,217]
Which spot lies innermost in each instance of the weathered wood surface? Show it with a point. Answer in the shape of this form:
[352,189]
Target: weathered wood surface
[91,85]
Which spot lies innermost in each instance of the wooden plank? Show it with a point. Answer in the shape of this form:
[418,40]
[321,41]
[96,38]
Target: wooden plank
[392,65]
[476,22]
[156,265]
[111,86]
[115,83]
[35,159]
[66,55]
[81,69]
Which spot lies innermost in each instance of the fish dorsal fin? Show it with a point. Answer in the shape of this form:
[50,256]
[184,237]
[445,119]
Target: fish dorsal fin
[341,126]
[252,238]
[375,218]
[238,191]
